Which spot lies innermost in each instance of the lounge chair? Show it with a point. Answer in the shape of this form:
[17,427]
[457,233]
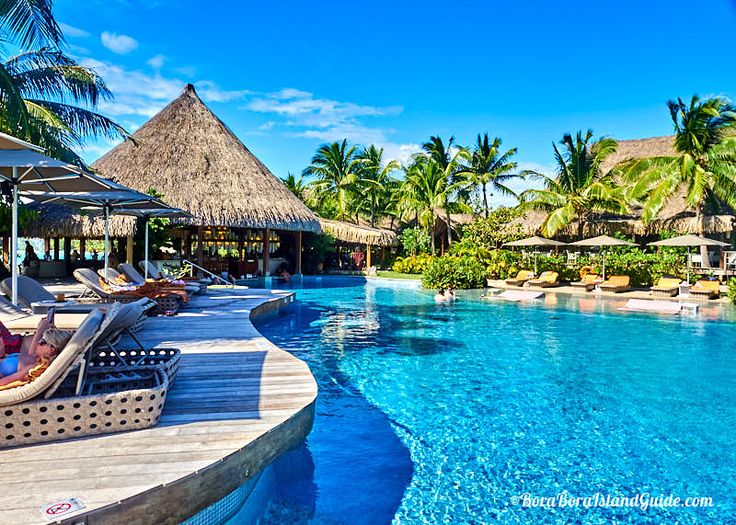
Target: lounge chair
[31,291]
[616,283]
[21,322]
[545,280]
[521,277]
[133,276]
[705,289]
[167,302]
[112,274]
[666,287]
[153,273]
[587,281]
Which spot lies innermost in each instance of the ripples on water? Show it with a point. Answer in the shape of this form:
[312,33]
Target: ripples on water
[440,414]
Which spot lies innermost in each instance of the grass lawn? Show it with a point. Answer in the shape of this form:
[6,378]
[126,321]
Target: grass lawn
[397,275]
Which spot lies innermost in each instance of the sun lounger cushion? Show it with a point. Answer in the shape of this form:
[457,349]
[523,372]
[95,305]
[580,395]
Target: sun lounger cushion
[666,283]
[129,271]
[547,278]
[706,287]
[29,290]
[616,282]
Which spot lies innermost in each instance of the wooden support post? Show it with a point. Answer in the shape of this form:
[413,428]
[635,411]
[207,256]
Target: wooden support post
[266,254]
[56,248]
[200,247]
[68,254]
[298,268]
[82,248]
[46,247]
[367,256]
[129,249]
[6,252]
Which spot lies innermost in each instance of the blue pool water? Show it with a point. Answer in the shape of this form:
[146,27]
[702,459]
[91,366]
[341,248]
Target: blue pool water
[442,414]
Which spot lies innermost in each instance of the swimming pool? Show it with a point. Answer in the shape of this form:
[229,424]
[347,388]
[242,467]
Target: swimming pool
[447,414]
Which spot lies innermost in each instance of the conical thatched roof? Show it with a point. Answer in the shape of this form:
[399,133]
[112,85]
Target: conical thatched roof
[61,221]
[186,153]
[354,233]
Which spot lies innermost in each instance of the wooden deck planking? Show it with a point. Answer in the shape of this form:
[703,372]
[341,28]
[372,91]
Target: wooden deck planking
[238,401]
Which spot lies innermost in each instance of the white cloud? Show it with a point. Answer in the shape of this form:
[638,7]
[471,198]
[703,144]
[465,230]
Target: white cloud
[211,92]
[72,31]
[267,126]
[120,44]
[156,62]
[400,152]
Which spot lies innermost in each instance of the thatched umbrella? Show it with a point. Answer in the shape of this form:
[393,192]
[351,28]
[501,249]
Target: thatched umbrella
[603,241]
[189,156]
[535,242]
[688,241]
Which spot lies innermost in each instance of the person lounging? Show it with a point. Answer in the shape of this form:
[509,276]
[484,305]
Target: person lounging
[21,356]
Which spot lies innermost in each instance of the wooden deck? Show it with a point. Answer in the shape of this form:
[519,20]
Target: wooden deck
[237,403]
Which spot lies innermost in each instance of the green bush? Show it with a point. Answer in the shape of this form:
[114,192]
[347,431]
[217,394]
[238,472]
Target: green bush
[459,272]
[732,289]
[415,241]
[415,264]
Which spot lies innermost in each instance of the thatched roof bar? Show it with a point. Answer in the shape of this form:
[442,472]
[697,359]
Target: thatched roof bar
[191,157]
[354,233]
[55,221]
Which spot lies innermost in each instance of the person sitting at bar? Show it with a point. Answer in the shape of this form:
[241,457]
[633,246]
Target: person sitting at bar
[282,272]
[31,262]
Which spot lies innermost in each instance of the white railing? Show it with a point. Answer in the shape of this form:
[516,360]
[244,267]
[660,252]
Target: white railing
[194,265]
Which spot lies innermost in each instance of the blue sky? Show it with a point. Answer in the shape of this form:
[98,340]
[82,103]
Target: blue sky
[288,76]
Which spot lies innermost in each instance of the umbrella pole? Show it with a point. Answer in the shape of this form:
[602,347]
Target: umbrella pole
[107,239]
[604,265]
[535,264]
[14,242]
[145,269]
[689,259]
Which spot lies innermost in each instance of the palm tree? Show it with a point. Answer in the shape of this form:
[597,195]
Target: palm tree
[580,187]
[336,167]
[704,162]
[45,96]
[489,167]
[377,188]
[296,186]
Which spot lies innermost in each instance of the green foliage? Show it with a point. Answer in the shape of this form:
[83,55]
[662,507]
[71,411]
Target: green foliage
[495,230]
[458,272]
[316,248]
[415,241]
[414,264]
[732,289]
[502,264]
[25,216]
[489,168]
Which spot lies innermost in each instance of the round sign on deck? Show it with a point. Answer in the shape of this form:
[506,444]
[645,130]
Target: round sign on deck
[53,511]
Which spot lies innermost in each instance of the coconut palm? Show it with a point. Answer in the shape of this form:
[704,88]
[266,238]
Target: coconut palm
[336,167]
[580,187]
[29,23]
[377,189]
[296,186]
[490,167]
[704,163]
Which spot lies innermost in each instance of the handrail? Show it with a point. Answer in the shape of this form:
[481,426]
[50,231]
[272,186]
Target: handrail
[194,265]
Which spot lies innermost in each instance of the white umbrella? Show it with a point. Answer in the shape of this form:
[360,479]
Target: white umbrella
[688,241]
[535,241]
[23,170]
[600,242]
[118,198]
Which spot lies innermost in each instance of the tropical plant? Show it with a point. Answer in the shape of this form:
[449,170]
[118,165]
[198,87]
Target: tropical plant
[376,190]
[704,162]
[496,229]
[457,272]
[46,97]
[580,188]
[414,264]
[731,293]
[336,168]
[297,186]
[489,168]
[414,241]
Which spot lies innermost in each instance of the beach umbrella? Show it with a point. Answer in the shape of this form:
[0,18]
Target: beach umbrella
[117,198]
[24,170]
[603,241]
[148,212]
[534,242]
[688,241]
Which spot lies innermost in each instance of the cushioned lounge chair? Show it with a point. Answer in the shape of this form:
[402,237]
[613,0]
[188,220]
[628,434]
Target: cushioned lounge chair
[31,291]
[20,322]
[666,287]
[616,283]
[112,274]
[587,281]
[134,276]
[153,273]
[706,289]
[545,280]
[521,277]
[166,302]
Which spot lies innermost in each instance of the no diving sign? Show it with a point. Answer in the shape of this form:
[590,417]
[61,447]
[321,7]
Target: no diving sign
[59,509]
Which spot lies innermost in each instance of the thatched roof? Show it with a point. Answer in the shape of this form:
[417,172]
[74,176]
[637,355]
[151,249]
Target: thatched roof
[61,221]
[186,153]
[358,234]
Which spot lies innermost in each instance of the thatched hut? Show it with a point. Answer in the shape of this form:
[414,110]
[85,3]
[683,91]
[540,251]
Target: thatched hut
[674,216]
[198,164]
[349,233]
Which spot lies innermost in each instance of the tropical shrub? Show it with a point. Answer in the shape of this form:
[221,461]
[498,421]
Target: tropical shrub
[415,241]
[732,290]
[415,264]
[457,272]
[495,230]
